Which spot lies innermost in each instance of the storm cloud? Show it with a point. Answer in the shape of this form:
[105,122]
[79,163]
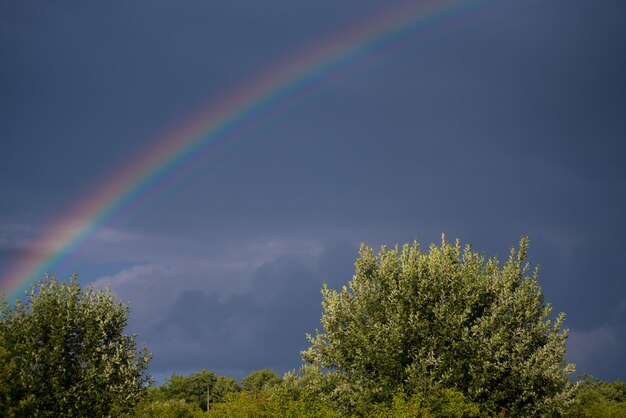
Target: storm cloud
[487,127]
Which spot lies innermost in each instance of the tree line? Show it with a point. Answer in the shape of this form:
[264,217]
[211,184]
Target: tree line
[440,332]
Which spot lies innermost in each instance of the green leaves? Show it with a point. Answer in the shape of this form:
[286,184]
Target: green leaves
[595,398]
[258,380]
[193,388]
[445,318]
[66,352]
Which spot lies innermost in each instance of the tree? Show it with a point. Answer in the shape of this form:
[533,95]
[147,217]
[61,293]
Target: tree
[193,388]
[258,380]
[595,398]
[223,386]
[172,408]
[246,404]
[442,319]
[63,352]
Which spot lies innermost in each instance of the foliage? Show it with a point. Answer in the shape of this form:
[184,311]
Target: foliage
[446,318]
[299,396]
[444,403]
[312,393]
[258,380]
[306,406]
[193,388]
[266,395]
[595,398]
[223,386]
[402,407]
[63,352]
[450,403]
[171,408]
[15,401]
[246,404]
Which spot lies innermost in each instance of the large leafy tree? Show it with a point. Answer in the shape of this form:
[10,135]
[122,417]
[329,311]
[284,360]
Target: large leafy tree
[63,352]
[421,321]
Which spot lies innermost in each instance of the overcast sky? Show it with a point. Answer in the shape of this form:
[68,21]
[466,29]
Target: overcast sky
[497,123]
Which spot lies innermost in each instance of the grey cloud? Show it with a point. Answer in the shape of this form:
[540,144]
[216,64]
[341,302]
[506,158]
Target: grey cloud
[598,350]
[263,327]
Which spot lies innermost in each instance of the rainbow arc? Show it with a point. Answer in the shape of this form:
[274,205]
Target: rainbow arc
[214,128]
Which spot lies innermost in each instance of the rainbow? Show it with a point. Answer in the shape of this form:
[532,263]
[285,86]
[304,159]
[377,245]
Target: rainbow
[219,126]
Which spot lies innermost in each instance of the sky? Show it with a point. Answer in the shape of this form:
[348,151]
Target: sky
[503,120]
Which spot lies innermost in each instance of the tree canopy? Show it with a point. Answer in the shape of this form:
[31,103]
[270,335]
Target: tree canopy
[595,398]
[63,352]
[193,388]
[260,379]
[443,319]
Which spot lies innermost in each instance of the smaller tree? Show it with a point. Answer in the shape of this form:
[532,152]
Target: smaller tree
[260,379]
[193,388]
[223,386]
[172,408]
[63,352]
[596,398]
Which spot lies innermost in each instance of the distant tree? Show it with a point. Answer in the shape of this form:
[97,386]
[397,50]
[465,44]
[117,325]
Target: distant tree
[259,380]
[246,404]
[193,388]
[222,387]
[595,398]
[302,395]
[442,319]
[63,352]
[172,408]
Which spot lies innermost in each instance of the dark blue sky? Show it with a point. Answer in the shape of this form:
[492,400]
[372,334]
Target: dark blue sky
[501,124]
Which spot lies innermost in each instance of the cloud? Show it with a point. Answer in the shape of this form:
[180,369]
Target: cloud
[134,276]
[595,350]
[112,235]
[17,243]
[146,287]
[20,241]
[264,325]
